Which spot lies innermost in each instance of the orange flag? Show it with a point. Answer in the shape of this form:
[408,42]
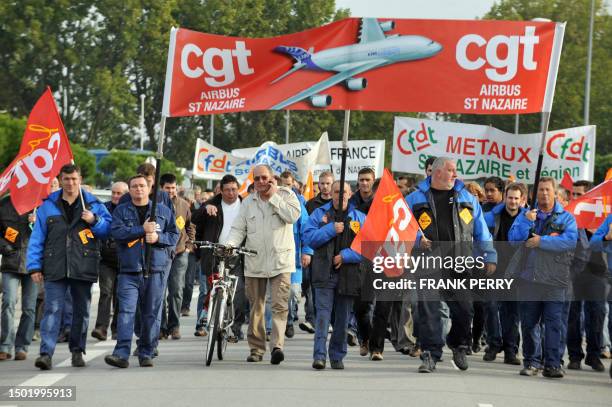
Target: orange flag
[44,150]
[309,187]
[389,228]
[243,190]
[609,174]
[591,209]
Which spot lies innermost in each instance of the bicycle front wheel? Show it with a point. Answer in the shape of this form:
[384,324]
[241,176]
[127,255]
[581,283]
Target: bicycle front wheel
[214,326]
[222,338]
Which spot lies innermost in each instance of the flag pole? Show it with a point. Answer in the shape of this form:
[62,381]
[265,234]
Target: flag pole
[340,211]
[545,119]
[159,156]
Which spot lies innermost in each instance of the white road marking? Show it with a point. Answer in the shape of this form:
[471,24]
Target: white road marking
[44,379]
[485,405]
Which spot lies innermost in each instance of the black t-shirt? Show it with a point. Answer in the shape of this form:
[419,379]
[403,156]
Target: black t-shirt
[70,209]
[142,212]
[443,200]
[505,223]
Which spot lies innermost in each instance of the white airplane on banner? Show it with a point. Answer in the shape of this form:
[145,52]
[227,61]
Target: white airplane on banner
[373,50]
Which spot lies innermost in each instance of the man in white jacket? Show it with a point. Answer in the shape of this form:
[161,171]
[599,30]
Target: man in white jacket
[266,221]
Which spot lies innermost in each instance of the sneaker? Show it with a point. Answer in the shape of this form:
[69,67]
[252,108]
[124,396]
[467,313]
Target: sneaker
[5,356]
[145,362]
[460,359]
[415,352]
[336,364]
[289,331]
[185,312]
[429,364]
[490,355]
[277,356]
[254,357]
[200,332]
[36,336]
[511,359]
[77,359]
[363,349]
[306,327]
[552,372]
[574,365]
[595,363]
[376,356]
[99,334]
[162,335]
[351,339]
[606,355]
[44,362]
[21,355]
[318,364]
[176,334]
[529,371]
[116,361]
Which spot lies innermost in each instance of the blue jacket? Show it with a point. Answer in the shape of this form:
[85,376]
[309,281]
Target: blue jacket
[300,247]
[550,262]
[471,227]
[129,234]
[492,217]
[62,250]
[598,242]
[320,235]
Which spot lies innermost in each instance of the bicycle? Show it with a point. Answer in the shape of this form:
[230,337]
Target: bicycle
[221,300]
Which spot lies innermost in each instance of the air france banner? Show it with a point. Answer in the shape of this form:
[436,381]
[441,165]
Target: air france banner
[483,151]
[213,163]
[360,154]
[484,67]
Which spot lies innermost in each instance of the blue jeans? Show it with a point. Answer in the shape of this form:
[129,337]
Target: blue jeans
[502,322]
[29,291]
[193,268]
[55,301]
[67,313]
[549,310]
[174,301]
[203,287]
[294,300]
[133,290]
[594,313]
[326,300]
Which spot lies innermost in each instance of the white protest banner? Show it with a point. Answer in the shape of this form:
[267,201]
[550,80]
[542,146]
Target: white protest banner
[213,163]
[483,151]
[361,154]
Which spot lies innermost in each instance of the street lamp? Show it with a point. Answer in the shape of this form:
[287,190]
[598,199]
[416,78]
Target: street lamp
[142,122]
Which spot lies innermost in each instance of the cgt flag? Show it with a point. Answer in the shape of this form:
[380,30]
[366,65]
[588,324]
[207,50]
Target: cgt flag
[389,228]
[591,209]
[44,150]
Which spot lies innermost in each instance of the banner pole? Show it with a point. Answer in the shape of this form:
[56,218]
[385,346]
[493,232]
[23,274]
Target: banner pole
[545,119]
[340,211]
[159,156]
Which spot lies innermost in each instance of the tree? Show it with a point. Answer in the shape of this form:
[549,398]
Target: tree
[120,165]
[11,133]
[86,161]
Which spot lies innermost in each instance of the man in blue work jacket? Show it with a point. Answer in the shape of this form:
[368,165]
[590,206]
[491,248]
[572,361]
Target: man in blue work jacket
[64,250]
[132,228]
[542,267]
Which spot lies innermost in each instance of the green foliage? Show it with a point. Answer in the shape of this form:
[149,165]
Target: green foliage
[11,133]
[86,161]
[602,164]
[121,165]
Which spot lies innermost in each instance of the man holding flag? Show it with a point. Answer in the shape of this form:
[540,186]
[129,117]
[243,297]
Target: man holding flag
[65,250]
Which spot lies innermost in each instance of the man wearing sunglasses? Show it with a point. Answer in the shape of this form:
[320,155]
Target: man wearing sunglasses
[266,220]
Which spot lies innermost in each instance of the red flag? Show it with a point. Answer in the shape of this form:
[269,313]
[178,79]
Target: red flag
[44,150]
[309,188]
[389,228]
[567,182]
[592,208]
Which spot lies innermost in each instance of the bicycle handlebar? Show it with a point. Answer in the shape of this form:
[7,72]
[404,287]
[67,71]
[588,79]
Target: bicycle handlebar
[226,249]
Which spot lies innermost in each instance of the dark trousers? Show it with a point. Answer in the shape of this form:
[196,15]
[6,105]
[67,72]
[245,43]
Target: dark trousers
[429,322]
[308,292]
[380,320]
[55,302]
[108,298]
[478,322]
[363,315]
[193,266]
[502,322]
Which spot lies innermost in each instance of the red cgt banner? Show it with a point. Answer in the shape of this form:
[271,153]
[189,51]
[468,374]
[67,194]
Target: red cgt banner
[592,208]
[484,67]
[44,150]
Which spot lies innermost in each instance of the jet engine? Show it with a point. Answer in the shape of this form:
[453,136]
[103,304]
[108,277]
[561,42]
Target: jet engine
[387,26]
[356,83]
[320,100]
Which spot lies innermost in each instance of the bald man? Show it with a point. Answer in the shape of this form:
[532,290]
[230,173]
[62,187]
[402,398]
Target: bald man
[108,274]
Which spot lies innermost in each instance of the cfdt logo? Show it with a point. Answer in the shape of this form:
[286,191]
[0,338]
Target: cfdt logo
[564,147]
[411,141]
[210,162]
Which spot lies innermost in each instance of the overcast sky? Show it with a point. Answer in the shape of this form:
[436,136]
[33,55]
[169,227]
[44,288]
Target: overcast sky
[443,9]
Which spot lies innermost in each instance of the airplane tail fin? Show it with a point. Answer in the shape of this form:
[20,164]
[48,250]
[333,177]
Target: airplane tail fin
[300,56]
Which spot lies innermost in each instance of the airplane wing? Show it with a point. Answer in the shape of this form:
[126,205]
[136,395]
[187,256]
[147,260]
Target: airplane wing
[370,31]
[329,82]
